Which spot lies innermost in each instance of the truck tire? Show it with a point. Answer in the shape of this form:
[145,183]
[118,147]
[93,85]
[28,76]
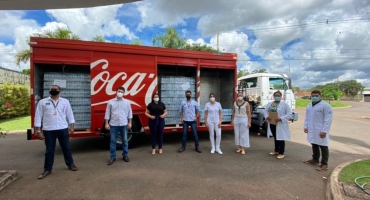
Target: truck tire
[264,127]
[132,136]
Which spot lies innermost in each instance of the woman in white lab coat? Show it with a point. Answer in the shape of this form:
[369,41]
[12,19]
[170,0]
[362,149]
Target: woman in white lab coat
[317,124]
[280,131]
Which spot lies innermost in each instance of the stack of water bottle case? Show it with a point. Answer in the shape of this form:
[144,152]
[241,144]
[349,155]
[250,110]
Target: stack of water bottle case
[77,91]
[173,90]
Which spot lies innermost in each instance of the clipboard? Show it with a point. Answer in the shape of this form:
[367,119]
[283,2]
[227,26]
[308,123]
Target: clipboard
[273,116]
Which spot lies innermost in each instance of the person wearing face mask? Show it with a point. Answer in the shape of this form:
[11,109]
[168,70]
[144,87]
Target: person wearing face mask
[280,131]
[118,119]
[317,124]
[52,113]
[241,118]
[156,112]
[189,112]
[213,120]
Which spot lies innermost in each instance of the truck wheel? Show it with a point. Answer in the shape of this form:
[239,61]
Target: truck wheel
[264,127]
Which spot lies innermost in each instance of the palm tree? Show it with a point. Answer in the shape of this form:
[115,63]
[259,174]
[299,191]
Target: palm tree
[59,33]
[170,39]
[136,42]
[98,38]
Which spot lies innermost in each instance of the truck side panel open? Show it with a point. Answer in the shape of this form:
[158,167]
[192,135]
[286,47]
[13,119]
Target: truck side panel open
[75,86]
[221,83]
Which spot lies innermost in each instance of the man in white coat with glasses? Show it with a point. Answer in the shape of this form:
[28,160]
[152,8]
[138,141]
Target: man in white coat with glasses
[317,123]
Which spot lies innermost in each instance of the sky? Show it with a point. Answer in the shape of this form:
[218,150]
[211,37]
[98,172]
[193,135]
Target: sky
[315,41]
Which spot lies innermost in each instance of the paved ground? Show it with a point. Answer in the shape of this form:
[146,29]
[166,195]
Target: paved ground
[188,175]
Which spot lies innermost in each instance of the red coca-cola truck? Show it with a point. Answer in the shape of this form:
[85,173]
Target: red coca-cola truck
[90,72]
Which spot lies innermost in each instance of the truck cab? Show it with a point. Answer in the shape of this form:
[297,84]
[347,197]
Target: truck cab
[259,89]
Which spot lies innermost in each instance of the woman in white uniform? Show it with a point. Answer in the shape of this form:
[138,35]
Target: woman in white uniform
[241,119]
[280,131]
[213,120]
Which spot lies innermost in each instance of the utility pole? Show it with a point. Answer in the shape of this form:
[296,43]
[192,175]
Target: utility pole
[218,40]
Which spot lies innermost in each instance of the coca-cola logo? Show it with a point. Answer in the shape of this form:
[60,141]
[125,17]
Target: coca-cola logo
[134,84]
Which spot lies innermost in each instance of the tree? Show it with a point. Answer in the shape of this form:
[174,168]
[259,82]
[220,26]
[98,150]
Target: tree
[60,33]
[351,87]
[259,71]
[331,91]
[26,71]
[136,42]
[243,72]
[98,38]
[317,87]
[199,47]
[170,39]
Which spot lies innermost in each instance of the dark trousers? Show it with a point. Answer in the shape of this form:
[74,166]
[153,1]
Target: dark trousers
[193,125]
[50,142]
[324,153]
[156,127]
[279,144]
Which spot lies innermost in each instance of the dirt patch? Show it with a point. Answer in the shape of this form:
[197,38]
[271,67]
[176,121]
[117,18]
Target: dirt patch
[352,190]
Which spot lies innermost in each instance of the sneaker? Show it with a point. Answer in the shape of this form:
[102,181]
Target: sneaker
[274,153]
[181,149]
[322,168]
[198,150]
[213,150]
[311,161]
[280,156]
[219,151]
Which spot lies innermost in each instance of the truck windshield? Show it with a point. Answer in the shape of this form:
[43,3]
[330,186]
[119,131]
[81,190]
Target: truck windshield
[277,84]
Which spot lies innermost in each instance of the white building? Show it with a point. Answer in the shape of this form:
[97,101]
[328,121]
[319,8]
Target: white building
[13,77]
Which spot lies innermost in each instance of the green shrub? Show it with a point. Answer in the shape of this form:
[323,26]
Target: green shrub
[14,100]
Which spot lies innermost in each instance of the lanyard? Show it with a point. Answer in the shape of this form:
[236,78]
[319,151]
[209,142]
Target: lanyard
[55,106]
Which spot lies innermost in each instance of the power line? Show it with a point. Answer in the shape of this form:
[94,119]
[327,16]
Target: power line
[317,58]
[274,28]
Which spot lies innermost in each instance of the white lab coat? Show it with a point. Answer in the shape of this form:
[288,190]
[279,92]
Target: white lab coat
[282,128]
[318,119]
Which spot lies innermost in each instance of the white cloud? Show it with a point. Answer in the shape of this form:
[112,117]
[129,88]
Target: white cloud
[10,20]
[88,22]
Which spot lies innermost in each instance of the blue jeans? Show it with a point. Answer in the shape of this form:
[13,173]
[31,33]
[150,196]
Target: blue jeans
[193,125]
[50,142]
[113,140]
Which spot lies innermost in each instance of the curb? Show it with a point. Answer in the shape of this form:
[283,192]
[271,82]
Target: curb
[334,191]
[8,178]
[17,132]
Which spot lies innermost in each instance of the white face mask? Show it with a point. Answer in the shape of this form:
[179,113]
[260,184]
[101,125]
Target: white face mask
[119,94]
[156,99]
[240,98]
[212,99]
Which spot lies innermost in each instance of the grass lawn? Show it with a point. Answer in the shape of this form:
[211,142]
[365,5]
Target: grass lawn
[16,123]
[354,170]
[302,103]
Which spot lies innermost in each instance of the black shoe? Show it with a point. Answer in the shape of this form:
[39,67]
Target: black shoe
[44,174]
[126,159]
[111,161]
[182,149]
[73,167]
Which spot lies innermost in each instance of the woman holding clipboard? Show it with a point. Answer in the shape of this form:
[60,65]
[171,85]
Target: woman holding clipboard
[278,114]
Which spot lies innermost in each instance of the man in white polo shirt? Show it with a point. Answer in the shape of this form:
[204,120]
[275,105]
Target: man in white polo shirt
[51,114]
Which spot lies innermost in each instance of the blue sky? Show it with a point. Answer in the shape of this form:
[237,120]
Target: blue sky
[262,33]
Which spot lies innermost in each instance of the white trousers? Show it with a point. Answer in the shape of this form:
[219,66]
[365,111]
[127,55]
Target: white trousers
[212,128]
[241,131]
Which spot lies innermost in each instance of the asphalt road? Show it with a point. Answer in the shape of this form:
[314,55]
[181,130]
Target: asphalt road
[187,175]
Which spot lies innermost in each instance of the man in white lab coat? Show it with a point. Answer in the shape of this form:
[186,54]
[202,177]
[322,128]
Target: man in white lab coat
[317,123]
